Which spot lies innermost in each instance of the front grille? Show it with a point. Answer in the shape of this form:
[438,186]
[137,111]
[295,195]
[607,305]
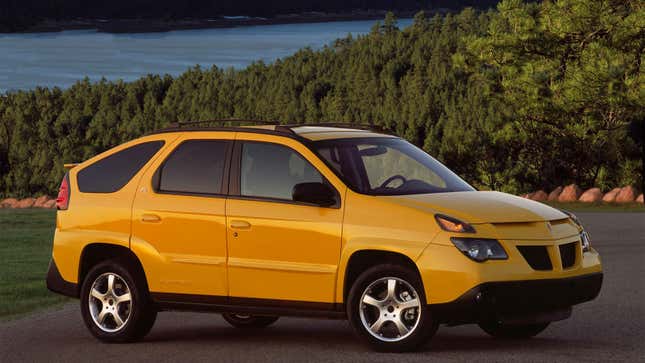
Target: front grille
[537,257]
[568,254]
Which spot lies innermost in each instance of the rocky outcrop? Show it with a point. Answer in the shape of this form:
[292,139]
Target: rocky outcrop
[570,193]
[626,195]
[591,195]
[640,199]
[8,203]
[539,196]
[555,194]
[40,201]
[610,197]
[50,204]
[25,203]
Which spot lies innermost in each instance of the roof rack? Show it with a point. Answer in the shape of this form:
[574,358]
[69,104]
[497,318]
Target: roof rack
[283,128]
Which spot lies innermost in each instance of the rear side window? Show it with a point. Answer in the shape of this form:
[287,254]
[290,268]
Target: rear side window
[112,173]
[194,167]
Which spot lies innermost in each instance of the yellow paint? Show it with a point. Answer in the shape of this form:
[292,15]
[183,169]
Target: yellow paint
[265,249]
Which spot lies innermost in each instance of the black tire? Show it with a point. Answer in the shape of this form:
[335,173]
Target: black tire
[420,327]
[249,321]
[499,330]
[140,312]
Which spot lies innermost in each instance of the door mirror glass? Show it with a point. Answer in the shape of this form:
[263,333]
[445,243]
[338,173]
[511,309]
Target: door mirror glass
[314,193]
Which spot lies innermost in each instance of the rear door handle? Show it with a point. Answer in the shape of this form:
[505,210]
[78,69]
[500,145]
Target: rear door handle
[237,224]
[150,218]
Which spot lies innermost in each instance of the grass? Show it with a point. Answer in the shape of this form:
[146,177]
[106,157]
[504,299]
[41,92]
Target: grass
[25,249]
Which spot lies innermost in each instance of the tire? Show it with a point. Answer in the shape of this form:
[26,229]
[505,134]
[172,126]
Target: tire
[499,330]
[100,304]
[249,321]
[376,298]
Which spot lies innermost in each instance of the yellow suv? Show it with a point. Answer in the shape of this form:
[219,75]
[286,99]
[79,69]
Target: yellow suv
[321,221]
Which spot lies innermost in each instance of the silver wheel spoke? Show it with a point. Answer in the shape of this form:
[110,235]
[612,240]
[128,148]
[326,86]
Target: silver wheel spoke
[378,324]
[110,284]
[101,317]
[117,319]
[400,326]
[372,301]
[414,303]
[124,298]
[391,289]
[97,294]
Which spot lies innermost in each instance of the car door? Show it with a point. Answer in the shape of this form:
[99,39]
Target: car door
[179,223]
[280,251]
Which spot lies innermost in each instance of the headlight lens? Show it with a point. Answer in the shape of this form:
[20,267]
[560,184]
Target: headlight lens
[584,236]
[480,249]
[451,224]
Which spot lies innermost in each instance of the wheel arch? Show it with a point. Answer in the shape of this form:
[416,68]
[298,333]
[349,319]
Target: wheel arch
[97,252]
[360,260]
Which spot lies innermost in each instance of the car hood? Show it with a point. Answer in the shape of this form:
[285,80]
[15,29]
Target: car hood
[480,207]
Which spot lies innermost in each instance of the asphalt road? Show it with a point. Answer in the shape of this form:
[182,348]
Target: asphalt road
[610,328]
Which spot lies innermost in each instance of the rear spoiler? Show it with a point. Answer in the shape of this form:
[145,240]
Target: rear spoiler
[70,166]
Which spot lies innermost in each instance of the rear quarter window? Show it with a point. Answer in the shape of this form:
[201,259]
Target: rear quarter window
[112,173]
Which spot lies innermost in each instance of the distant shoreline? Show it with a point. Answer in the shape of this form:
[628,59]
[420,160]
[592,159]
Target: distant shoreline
[160,25]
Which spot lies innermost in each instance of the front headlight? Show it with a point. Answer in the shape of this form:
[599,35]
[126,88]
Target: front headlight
[584,236]
[480,249]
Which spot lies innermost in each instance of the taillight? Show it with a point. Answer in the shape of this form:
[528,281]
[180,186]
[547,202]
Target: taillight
[62,201]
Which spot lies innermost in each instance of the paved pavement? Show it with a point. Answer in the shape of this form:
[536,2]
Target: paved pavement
[611,328]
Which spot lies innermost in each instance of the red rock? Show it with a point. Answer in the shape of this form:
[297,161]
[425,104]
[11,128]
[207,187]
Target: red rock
[38,203]
[626,195]
[25,203]
[50,204]
[610,197]
[555,193]
[8,203]
[591,195]
[539,196]
[570,193]
[640,199]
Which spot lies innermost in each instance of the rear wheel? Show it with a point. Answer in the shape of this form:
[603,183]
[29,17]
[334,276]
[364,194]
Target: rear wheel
[524,331]
[249,321]
[115,304]
[387,309]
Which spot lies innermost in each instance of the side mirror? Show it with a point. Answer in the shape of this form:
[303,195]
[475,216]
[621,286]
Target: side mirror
[314,193]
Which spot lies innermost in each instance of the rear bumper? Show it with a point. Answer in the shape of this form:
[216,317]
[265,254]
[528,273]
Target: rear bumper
[529,301]
[57,284]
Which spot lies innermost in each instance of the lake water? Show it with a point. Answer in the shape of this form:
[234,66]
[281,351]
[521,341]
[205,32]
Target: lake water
[60,59]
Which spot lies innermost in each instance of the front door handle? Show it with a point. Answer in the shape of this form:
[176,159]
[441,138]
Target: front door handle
[237,224]
[150,218]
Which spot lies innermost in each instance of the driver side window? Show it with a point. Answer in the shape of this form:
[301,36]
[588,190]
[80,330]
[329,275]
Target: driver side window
[383,162]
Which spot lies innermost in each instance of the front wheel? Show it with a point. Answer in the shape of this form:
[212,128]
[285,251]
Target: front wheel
[249,321]
[115,304]
[523,331]
[387,309]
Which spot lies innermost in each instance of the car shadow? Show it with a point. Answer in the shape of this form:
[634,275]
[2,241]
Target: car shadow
[338,335]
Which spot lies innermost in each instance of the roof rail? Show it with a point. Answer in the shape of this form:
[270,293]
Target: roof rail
[367,126]
[286,128]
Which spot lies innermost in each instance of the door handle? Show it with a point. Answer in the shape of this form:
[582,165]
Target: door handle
[237,224]
[150,218]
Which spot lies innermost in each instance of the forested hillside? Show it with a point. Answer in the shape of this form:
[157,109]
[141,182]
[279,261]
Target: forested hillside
[524,97]
[16,15]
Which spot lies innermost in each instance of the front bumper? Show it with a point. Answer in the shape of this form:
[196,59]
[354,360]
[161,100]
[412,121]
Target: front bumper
[530,301]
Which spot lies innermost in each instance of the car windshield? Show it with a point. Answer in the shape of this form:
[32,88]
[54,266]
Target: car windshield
[388,166]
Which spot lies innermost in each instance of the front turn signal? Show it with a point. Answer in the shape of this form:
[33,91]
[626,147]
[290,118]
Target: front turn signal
[451,224]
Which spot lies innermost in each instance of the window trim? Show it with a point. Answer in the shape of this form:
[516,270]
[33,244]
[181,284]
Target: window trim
[150,159]
[224,186]
[235,178]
